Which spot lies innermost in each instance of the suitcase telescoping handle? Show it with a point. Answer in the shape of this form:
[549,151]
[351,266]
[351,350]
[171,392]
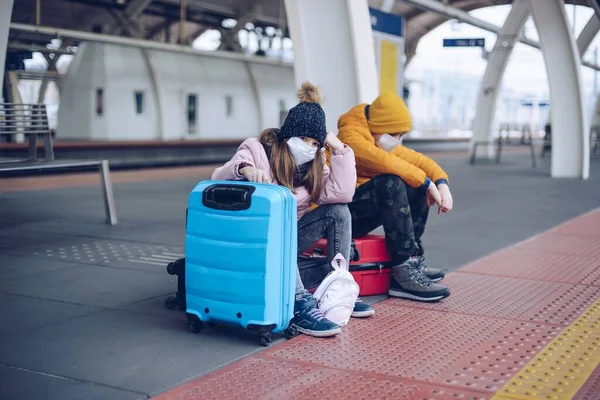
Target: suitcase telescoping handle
[228,197]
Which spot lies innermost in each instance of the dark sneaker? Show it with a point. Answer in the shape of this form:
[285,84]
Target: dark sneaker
[362,310]
[309,320]
[434,274]
[409,282]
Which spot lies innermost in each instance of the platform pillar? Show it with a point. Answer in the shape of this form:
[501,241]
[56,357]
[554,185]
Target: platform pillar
[570,133]
[333,49]
[6,7]
[585,38]
[492,78]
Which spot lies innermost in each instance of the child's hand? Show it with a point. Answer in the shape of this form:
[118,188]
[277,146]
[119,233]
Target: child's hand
[254,175]
[446,196]
[433,196]
[332,141]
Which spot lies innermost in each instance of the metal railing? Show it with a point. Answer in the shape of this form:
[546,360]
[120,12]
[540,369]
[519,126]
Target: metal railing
[29,120]
[526,139]
[594,141]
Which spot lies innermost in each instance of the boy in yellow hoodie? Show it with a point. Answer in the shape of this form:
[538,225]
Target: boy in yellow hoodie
[395,188]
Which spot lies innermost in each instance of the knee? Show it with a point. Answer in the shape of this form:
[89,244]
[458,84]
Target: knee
[391,185]
[339,213]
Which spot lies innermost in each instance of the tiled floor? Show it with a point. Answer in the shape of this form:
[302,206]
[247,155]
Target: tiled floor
[509,337]
[81,303]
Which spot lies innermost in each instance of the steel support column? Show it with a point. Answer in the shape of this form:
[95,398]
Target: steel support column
[586,37]
[570,139]
[46,79]
[584,40]
[338,57]
[595,4]
[492,79]
[229,36]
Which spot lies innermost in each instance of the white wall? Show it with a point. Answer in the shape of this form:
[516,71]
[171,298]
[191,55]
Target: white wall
[126,72]
[274,85]
[211,80]
[77,117]
[121,71]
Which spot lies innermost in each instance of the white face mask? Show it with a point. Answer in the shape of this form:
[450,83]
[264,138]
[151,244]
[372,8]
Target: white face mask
[301,151]
[387,142]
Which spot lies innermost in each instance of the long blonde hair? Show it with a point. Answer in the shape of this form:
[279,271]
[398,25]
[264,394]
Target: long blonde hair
[283,166]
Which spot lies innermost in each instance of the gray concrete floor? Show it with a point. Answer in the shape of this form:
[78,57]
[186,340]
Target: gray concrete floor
[81,303]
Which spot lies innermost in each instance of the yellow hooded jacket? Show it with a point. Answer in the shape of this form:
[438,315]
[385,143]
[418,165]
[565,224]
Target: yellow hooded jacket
[413,167]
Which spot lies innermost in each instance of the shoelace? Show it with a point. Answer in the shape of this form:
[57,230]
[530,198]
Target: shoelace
[316,314]
[416,274]
[420,260]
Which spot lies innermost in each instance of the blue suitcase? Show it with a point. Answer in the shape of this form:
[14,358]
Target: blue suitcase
[241,253]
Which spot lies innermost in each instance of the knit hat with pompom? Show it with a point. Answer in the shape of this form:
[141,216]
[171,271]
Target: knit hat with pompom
[307,118]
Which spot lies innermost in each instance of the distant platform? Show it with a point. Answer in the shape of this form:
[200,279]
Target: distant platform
[156,153]
[135,154]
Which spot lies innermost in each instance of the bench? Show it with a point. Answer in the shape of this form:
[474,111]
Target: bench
[31,121]
[502,141]
[594,140]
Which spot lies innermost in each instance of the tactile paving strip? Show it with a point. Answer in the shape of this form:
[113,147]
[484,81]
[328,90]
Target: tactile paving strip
[568,304]
[397,341]
[562,367]
[560,243]
[492,363]
[586,225]
[511,298]
[539,265]
[260,378]
[469,352]
[591,389]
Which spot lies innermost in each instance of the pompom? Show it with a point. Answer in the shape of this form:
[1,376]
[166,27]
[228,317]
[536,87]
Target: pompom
[309,93]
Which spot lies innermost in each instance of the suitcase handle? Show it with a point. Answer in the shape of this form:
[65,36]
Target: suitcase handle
[228,197]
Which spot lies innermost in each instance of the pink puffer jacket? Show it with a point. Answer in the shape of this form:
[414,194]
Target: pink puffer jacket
[339,181]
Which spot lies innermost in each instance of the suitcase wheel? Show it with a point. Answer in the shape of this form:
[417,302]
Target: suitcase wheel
[171,302]
[194,323]
[195,326]
[290,332]
[175,267]
[265,338]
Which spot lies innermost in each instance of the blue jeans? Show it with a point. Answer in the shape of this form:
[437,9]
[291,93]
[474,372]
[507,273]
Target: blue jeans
[329,221]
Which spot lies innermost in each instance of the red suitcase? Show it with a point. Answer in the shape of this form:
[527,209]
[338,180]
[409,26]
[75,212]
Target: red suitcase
[368,264]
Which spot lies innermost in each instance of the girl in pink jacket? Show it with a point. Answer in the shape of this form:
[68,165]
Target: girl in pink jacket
[291,157]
